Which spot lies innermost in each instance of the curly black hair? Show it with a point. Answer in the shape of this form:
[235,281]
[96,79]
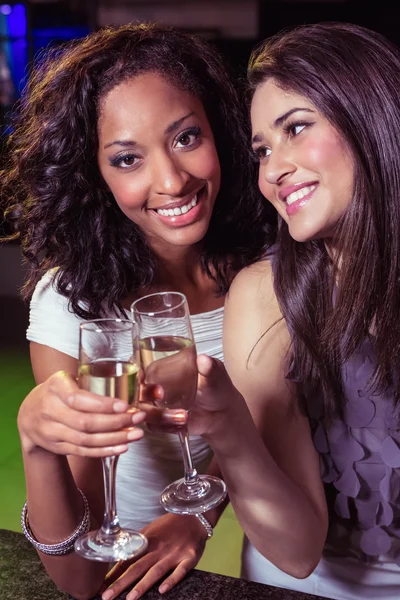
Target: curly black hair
[56,199]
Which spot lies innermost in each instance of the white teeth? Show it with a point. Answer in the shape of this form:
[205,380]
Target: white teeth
[299,194]
[171,212]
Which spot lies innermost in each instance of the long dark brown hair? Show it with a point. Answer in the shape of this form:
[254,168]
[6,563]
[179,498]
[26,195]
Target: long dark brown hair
[352,76]
[60,207]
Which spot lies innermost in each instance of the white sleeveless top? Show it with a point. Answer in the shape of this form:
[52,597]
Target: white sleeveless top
[155,461]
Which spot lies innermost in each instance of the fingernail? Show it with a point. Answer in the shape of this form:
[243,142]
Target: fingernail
[175,416]
[133,595]
[107,595]
[138,417]
[71,399]
[158,392]
[182,415]
[120,406]
[132,435]
[164,587]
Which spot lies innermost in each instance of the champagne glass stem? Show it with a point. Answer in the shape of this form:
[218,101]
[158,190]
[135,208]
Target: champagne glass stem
[191,476]
[110,523]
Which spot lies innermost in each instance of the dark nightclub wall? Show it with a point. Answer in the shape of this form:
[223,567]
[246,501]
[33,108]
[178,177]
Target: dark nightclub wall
[380,15]
[275,16]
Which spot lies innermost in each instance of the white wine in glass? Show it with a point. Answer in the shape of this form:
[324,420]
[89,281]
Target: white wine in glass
[168,357]
[109,366]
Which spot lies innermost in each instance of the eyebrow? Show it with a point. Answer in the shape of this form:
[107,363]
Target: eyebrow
[176,124]
[170,129]
[258,137]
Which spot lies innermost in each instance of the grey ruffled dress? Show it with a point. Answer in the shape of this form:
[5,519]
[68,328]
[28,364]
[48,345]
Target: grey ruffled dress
[360,467]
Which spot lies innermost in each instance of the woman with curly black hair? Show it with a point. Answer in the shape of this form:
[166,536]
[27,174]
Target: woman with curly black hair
[128,174]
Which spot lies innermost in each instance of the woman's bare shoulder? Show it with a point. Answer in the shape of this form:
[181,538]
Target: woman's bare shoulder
[253,290]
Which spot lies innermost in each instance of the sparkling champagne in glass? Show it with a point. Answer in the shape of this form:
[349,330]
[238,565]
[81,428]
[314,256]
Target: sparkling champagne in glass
[168,357]
[109,366]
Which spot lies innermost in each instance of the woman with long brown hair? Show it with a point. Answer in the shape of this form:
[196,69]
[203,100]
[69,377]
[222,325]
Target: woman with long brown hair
[325,114]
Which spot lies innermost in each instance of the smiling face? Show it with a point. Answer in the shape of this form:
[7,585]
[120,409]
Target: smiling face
[306,170]
[157,156]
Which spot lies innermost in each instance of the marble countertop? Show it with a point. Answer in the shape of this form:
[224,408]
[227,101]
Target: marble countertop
[22,577]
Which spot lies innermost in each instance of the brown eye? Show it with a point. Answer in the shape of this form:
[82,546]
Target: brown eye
[186,139]
[123,162]
[128,160]
[261,152]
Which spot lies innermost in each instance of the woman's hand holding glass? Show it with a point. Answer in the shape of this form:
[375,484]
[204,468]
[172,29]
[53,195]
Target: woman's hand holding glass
[109,366]
[59,417]
[168,358]
[216,401]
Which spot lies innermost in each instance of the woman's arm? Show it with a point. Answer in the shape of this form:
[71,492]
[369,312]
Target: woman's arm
[55,420]
[176,543]
[273,478]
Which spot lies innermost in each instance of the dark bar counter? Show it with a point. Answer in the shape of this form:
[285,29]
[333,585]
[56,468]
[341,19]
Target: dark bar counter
[22,577]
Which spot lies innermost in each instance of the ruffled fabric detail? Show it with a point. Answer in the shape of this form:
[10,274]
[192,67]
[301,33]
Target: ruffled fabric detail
[360,464]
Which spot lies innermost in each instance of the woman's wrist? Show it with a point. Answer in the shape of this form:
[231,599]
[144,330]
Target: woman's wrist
[27,444]
[208,528]
[24,425]
[33,452]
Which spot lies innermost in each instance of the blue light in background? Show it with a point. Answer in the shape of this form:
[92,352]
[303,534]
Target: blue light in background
[44,38]
[5,9]
[15,47]
[16,21]
[14,25]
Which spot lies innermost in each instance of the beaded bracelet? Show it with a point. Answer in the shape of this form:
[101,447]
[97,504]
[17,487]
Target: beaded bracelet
[206,524]
[62,547]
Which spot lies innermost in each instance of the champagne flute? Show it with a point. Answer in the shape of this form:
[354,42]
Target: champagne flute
[168,357]
[109,366]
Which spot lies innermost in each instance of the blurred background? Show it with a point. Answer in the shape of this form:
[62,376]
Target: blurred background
[26,28]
